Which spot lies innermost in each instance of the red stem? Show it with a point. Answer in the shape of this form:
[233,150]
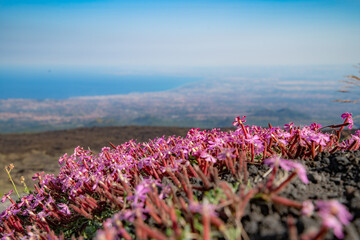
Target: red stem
[252,153]
[206,228]
[313,154]
[292,228]
[284,183]
[244,130]
[321,234]
[272,177]
[285,201]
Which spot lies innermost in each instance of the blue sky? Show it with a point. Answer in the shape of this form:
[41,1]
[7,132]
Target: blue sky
[179,33]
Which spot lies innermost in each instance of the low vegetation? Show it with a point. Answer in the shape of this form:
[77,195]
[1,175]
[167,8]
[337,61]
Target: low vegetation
[195,187]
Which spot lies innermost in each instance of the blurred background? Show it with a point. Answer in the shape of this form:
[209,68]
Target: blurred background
[69,64]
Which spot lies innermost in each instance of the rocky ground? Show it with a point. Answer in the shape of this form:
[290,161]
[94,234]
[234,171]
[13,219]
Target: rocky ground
[331,176]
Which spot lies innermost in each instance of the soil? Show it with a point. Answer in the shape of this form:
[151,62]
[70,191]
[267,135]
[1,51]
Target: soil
[332,176]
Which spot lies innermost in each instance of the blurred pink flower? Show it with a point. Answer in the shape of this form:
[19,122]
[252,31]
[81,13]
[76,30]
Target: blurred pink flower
[333,223]
[289,126]
[6,196]
[207,157]
[348,119]
[288,165]
[238,121]
[321,139]
[307,208]
[315,126]
[334,216]
[64,208]
[203,208]
[226,153]
[357,133]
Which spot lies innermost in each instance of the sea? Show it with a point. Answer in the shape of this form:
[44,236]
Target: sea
[56,82]
[48,83]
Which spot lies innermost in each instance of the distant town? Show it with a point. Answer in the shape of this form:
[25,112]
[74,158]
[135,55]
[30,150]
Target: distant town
[204,104]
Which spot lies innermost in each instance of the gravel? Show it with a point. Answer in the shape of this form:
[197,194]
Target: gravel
[331,176]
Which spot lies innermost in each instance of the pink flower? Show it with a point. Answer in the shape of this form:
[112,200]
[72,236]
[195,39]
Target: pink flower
[301,172]
[315,126]
[335,208]
[226,153]
[334,216]
[307,208]
[346,115]
[289,126]
[348,119]
[63,159]
[321,139]
[141,191]
[238,121]
[64,208]
[203,208]
[357,133]
[288,165]
[12,210]
[6,196]
[332,222]
[208,157]
[276,161]
[253,139]
[38,176]
[218,142]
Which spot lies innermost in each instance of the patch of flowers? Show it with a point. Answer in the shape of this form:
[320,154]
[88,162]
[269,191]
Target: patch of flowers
[175,188]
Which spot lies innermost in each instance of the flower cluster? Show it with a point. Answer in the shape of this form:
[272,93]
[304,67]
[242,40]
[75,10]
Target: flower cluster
[163,180]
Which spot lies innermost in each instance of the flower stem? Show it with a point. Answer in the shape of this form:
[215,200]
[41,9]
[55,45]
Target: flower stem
[284,183]
[8,170]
